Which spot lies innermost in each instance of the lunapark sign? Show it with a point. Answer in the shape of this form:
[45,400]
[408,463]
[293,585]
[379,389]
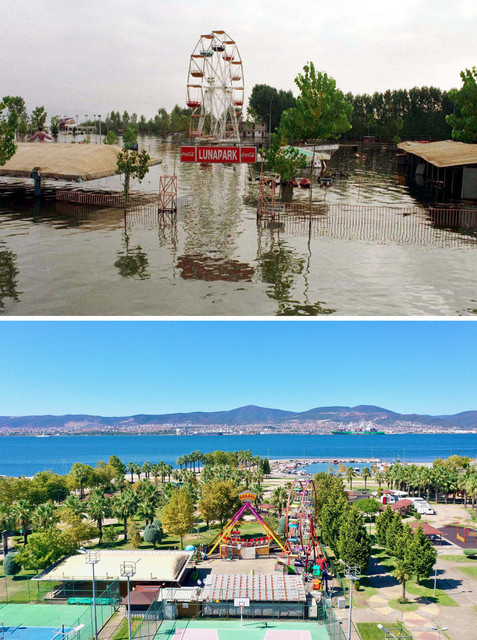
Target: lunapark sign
[216,154]
[247,496]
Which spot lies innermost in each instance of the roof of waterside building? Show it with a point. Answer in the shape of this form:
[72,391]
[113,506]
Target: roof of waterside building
[64,161]
[151,566]
[445,153]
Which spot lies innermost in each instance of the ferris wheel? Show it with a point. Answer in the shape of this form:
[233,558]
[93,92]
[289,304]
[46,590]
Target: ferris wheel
[302,540]
[215,91]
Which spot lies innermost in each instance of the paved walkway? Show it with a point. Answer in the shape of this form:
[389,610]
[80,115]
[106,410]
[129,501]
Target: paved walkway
[461,621]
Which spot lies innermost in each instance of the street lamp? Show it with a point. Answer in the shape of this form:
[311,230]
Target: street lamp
[352,573]
[99,116]
[128,570]
[391,634]
[92,558]
[439,629]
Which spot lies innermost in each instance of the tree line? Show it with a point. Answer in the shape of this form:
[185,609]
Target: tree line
[56,514]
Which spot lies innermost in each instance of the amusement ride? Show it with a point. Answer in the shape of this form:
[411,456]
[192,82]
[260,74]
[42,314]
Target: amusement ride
[301,551]
[215,90]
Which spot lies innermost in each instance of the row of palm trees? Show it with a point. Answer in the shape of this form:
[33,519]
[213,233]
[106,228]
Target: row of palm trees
[155,469]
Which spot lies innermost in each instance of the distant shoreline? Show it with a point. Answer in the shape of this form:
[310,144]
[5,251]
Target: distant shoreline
[444,432]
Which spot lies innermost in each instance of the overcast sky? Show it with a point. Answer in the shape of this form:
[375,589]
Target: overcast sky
[89,57]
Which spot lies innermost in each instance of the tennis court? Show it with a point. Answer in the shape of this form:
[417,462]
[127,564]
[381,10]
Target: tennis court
[32,633]
[231,630]
[41,615]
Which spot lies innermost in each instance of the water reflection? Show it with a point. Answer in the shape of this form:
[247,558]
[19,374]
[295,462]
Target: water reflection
[353,258]
[8,276]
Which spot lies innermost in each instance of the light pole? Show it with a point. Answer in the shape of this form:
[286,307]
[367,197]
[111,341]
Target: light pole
[391,634]
[128,570]
[99,116]
[439,629]
[92,558]
[352,573]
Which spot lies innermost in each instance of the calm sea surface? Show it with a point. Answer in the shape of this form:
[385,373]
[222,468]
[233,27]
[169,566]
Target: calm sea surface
[213,258]
[27,455]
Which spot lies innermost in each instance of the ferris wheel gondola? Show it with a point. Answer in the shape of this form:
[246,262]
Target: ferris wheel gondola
[215,90]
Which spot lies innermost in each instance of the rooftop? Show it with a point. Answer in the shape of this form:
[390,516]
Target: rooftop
[160,566]
[260,588]
[64,161]
[445,153]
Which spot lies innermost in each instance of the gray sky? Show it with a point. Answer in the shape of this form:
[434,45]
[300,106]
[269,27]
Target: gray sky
[89,56]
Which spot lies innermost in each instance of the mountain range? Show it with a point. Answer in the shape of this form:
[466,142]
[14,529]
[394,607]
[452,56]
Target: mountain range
[243,416]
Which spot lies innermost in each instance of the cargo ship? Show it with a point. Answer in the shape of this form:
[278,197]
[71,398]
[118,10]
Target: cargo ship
[357,432]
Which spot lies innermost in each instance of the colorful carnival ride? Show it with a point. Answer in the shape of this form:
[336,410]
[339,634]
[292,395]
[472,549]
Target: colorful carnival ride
[303,552]
[215,91]
[234,545]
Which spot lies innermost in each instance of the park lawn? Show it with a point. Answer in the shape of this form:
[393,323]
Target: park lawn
[458,558]
[409,606]
[470,572]
[371,631]
[426,590]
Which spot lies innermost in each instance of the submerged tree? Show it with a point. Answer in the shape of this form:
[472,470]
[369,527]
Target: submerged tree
[134,164]
[321,111]
[464,123]
[8,127]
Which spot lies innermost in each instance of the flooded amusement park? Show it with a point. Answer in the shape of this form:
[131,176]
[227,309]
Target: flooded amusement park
[371,247]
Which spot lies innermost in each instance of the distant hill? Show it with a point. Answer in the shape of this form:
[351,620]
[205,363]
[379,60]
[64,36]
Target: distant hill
[242,416]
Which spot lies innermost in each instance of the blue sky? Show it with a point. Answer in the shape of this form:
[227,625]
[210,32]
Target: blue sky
[121,368]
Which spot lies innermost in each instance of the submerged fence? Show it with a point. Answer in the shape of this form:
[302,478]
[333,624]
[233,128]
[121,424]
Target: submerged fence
[408,226]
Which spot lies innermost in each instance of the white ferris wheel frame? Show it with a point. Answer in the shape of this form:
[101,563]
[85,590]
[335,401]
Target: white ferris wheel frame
[215,90]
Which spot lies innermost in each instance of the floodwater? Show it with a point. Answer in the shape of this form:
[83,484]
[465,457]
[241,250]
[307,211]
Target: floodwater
[214,259]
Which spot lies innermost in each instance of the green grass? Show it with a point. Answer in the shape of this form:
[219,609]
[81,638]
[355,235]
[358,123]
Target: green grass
[370,630]
[470,572]
[457,558]
[122,632]
[409,606]
[426,590]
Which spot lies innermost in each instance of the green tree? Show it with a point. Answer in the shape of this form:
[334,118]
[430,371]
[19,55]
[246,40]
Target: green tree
[178,514]
[110,536]
[124,506]
[134,164]
[55,127]
[111,138]
[279,499]
[134,534]
[266,104]
[350,474]
[365,474]
[8,127]
[80,532]
[153,533]
[286,161]
[394,533]
[219,501]
[38,118]
[383,522]
[12,564]
[22,512]
[354,543]
[46,547]
[420,555]
[321,111]
[17,106]
[464,122]
[402,574]
[98,508]
[44,516]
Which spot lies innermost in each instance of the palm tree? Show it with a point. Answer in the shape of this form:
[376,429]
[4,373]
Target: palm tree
[21,511]
[44,516]
[350,474]
[98,507]
[6,517]
[380,478]
[124,506]
[365,474]
[402,574]
[168,470]
[131,466]
[258,491]
[74,504]
[146,469]
[279,499]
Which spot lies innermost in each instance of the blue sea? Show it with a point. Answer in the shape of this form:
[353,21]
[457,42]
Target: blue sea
[28,455]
